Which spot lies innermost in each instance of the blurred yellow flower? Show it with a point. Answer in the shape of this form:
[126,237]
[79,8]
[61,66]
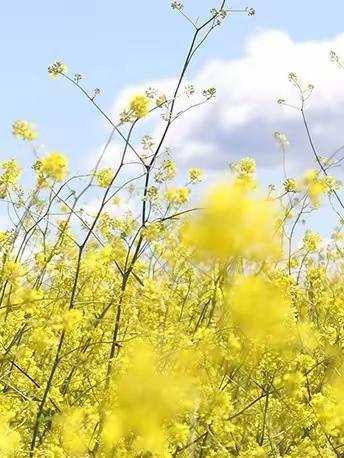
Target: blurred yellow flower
[259,308]
[235,222]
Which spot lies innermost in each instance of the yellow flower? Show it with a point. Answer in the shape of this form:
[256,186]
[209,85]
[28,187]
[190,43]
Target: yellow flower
[177,196]
[311,241]
[105,177]
[57,69]
[254,452]
[315,186]
[54,166]
[24,130]
[41,340]
[5,240]
[71,318]
[146,399]
[9,177]
[195,175]
[247,166]
[12,271]
[166,172]
[70,425]
[245,172]
[291,185]
[235,222]
[139,105]
[12,170]
[258,307]
[153,231]
[9,441]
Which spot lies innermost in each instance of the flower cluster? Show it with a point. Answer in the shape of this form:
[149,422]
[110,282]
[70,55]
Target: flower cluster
[53,166]
[195,175]
[177,196]
[105,177]
[139,106]
[210,331]
[10,172]
[166,172]
[235,222]
[24,130]
[57,68]
[316,186]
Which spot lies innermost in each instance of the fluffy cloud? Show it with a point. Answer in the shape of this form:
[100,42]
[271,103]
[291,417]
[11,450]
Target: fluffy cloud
[245,114]
[242,119]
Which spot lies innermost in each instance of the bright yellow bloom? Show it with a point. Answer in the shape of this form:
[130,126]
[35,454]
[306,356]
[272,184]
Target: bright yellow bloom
[139,105]
[9,441]
[144,399]
[71,318]
[12,170]
[70,426]
[255,452]
[235,222]
[247,166]
[259,308]
[245,172]
[12,271]
[153,231]
[54,166]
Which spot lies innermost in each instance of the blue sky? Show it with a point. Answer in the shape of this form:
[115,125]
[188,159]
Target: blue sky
[115,44]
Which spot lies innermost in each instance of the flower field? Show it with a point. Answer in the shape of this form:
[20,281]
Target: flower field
[171,319]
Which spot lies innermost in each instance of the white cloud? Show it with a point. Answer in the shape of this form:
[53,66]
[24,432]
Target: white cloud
[92,208]
[109,156]
[242,119]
